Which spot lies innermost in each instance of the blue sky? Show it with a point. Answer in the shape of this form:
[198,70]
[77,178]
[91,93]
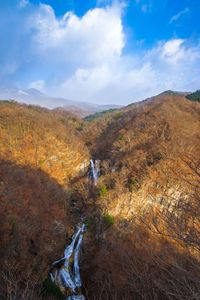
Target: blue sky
[99,50]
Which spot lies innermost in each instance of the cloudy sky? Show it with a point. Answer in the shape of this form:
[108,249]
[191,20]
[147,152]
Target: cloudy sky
[99,50]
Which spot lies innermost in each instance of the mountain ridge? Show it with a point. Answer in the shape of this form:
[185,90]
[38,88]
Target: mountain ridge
[36,97]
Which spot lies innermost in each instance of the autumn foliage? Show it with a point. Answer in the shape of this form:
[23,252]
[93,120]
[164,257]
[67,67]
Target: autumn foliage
[142,216]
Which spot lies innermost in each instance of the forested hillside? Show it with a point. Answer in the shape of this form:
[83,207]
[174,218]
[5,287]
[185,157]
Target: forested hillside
[41,138]
[142,216]
[40,151]
[150,190]
[194,96]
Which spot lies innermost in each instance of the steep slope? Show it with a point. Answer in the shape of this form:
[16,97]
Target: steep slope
[142,215]
[154,118]
[147,148]
[43,139]
[40,151]
[34,219]
[147,201]
[144,133]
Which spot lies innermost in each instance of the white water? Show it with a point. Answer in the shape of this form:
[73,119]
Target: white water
[65,274]
[76,297]
[94,171]
[68,277]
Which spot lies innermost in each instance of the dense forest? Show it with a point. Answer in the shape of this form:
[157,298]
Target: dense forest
[142,216]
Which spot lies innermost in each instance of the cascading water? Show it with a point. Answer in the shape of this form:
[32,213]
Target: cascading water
[94,171]
[65,271]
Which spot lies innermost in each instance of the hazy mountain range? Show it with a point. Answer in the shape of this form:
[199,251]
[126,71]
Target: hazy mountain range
[36,97]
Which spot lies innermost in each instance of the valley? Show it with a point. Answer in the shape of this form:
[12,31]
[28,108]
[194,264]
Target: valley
[141,209]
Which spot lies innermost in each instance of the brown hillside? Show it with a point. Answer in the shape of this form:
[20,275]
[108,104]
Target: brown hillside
[42,139]
[166,120]
[40,151]
[142,134]
[142,216]
[150,190]
[35,219]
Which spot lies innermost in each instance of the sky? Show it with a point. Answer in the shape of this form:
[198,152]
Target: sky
[100,51]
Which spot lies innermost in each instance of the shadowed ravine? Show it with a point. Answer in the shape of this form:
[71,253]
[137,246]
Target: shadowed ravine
[65,272]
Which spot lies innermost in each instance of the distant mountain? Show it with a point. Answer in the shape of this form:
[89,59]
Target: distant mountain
[174,93]
[34,96]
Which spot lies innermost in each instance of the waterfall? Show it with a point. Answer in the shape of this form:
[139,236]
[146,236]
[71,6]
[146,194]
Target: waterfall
[94,171]
[66,271]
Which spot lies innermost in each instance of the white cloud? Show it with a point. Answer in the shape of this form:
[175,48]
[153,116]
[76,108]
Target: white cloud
[166,66]
[88,82]
[21,92]
[38,84]
[173,50]
[93,38]
[82,58]
[175,53]
[172,47]
[179,15]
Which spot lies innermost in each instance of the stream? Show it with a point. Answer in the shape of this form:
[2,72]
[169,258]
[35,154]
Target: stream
[94,171]
[65,272]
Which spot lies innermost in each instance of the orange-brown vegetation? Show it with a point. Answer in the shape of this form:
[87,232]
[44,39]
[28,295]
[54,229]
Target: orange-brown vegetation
[43,139]
[143,238]
[151,168]
[40,151]
[34,219]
